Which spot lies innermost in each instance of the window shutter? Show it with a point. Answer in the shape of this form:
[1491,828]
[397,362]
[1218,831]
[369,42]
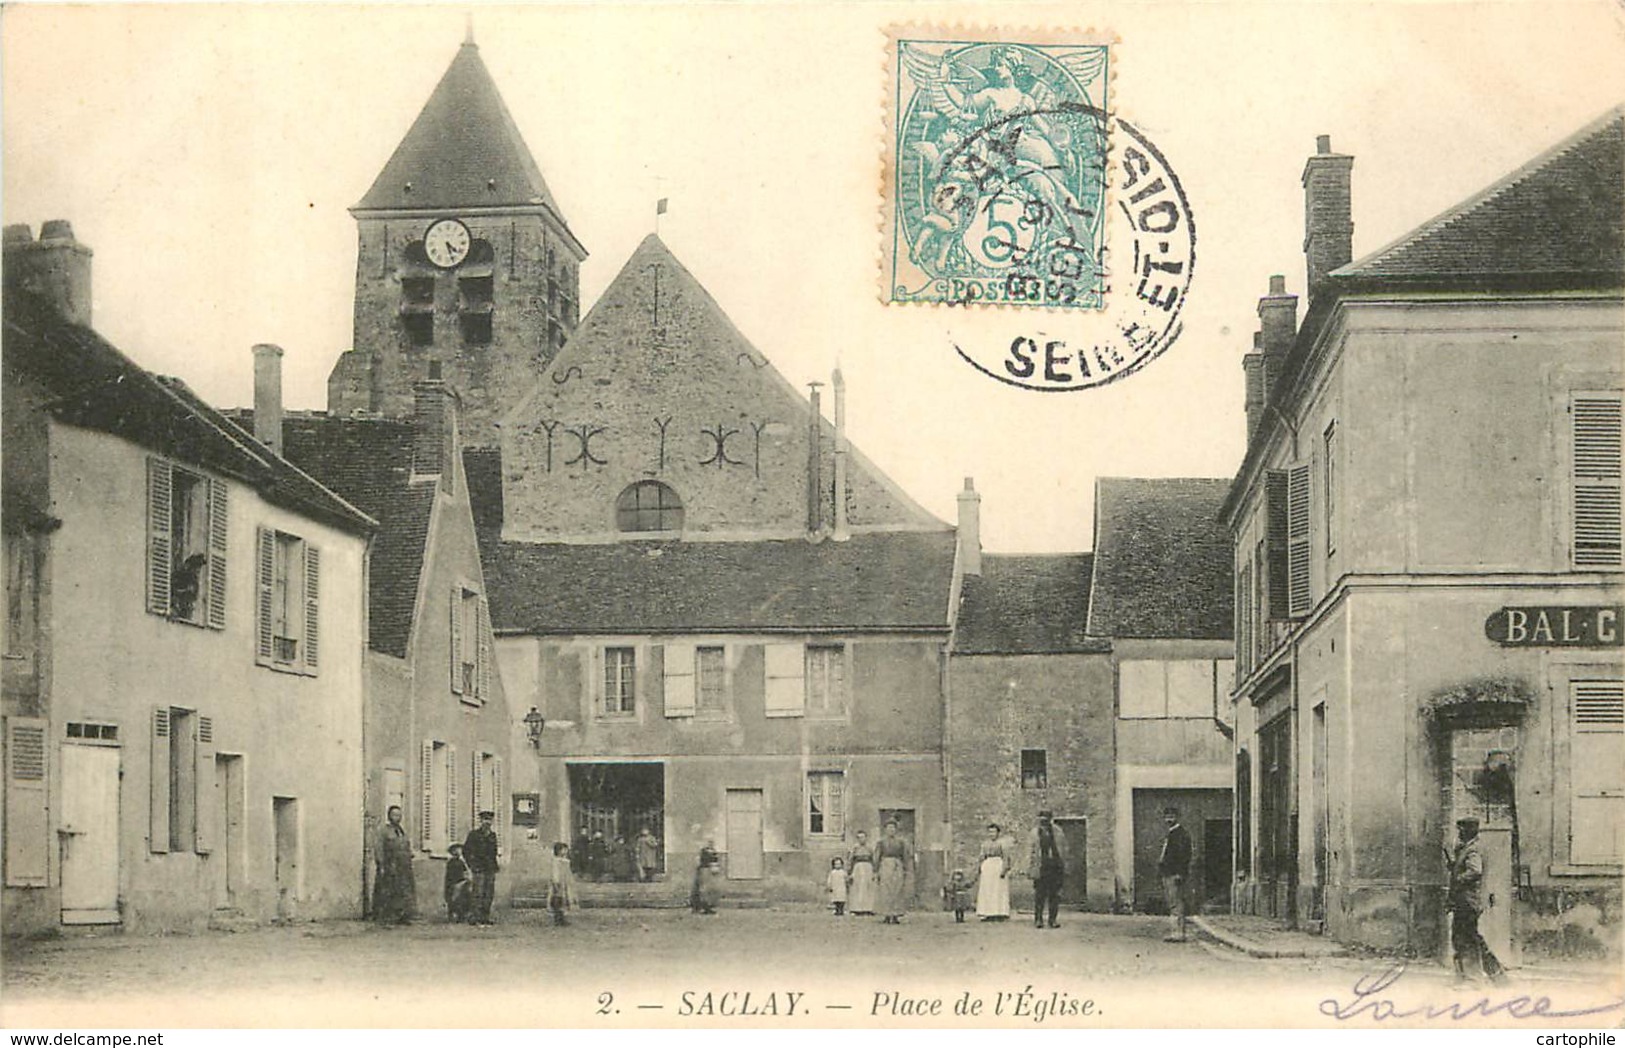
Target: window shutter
[426,795]
[596,692]
[482,669]
[475,761]
[1297,537]
[1273,568]
[28,817]
[159,493]
[498,806]
[158,822]
[457,640]
[451,797]
[678,677]
[217,554]
[1597,772]
[206,800]
[1596,480]
[266,581]
[313,589]
[786,684]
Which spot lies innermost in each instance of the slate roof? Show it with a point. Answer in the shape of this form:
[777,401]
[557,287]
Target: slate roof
[1162,560]
[463,151]
[1562,215]
[882,581]
[369,462]
[1027,605]
[97,387]
[482,471]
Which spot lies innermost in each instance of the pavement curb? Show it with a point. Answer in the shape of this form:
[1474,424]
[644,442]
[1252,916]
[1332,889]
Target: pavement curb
[1252,949]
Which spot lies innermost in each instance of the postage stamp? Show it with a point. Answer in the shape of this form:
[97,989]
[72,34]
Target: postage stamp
[996,170]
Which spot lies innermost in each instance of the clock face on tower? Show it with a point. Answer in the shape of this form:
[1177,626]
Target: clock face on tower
[446,242]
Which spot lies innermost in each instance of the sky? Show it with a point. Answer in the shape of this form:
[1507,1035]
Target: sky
[208,155]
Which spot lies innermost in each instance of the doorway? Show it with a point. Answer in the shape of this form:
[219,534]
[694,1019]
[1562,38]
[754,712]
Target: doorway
[744,831]
[1277,822]
[1075,886]
[618,801]
[287,859]
[88,834]
[1216,837]
[230,859]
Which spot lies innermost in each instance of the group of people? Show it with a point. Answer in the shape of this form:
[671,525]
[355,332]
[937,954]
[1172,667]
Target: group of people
[470,876]
[872,879]
[596,857]
[1045,863]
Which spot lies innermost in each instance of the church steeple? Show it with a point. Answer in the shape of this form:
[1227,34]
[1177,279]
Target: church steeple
[465,265]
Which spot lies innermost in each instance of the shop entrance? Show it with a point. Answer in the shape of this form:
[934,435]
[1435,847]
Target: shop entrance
[610,805]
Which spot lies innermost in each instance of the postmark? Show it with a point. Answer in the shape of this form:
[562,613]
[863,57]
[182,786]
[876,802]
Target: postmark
[1145,278]
[995,184]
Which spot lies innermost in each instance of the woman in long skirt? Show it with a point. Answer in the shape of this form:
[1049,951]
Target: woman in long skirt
[708,880]
[993,882]
[860,876]
[893,854]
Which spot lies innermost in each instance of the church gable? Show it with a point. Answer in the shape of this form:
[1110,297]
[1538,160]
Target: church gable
[657,385]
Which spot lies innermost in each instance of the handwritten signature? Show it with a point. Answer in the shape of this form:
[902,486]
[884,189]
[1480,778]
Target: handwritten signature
[1371,1001]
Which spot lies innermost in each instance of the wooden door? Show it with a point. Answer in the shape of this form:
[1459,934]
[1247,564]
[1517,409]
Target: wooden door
[1495,924]
[88,834]
[229,857]
[286,857]
[744,841]
[1075,886]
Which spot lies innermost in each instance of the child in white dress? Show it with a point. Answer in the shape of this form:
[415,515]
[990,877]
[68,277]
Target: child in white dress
[835,885]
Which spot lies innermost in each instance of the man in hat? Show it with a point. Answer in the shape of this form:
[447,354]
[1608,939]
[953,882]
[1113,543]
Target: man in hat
[480,852]
[1466,901]
[1174,865]
[1047,865]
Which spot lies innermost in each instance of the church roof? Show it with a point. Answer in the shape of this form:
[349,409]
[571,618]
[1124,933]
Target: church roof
[1163,560]
[463,151]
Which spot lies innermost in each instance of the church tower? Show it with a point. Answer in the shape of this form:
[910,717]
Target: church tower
[466,269]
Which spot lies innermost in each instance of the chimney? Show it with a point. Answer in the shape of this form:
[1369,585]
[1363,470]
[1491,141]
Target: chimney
[1328,225]
[268,396]
[840,534]
[1252,368]
[815,464]
[431,415]
[55,267]
[970,529]
[1277,326]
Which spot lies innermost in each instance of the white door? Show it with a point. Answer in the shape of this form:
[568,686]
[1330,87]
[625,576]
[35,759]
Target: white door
[744,835]
[88,834]
[1495,923]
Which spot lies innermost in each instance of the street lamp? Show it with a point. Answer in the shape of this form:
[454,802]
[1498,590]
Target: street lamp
[534,723]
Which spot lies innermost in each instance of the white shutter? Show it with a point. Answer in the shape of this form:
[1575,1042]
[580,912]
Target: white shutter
[426,797]
[452,825]
[786,684]
[499,805]
[476,763]
[1597,772]
[1596,539]
[160,481]
[158,815]
[265,582]
[1297,542]
[217,554]
[206,800]
[28,820]
[678,672]
[457,640]
[482,669]
[313,580]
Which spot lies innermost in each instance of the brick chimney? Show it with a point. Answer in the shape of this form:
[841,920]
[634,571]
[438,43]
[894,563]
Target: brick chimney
[815,464]
[970,529]
[55,267]
[1328,226]
[1252,367]
[433,414]
[1277,326]
[268,396]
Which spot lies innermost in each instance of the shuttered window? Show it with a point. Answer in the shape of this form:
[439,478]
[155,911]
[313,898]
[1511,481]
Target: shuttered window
[187,516]
[620,681]
[1299,599]
[437,785]
[182,791]
[27,833]
[677,677]
[786,682]
[1596,468]
[288,602]
[826,680]
[471,652]
[1329,481]
[1597,772]
[826,804]
[711,679]
[1272,567]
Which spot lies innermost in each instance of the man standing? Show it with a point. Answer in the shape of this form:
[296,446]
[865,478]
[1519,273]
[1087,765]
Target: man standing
[1045,861]
[1466,900]
[480,852]
[394,896]
[1174,865]
[648,855]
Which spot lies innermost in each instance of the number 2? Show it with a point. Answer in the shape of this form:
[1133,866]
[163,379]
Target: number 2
[605,999]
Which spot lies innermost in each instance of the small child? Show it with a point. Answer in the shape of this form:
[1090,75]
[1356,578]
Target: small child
[561,884]
[835,884]
[458,888]
[957,895]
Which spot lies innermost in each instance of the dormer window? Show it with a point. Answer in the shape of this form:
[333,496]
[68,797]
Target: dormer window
[648,505]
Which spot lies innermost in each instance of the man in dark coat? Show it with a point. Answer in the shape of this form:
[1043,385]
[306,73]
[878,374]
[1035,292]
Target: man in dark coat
[480,852]
[1047,864]
[1174,865]
[1467,904]
[394,895]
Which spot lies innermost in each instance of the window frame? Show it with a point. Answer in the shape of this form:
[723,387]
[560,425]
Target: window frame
[831,655]
[818,783]
[630,510]
[724,706]
[625,656]
[1595,482]
[1036,770]
[275,564]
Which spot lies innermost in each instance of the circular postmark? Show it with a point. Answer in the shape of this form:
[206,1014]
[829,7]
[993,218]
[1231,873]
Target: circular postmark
[1142,272]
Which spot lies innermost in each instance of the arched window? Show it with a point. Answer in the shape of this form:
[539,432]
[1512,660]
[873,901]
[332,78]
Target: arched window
[648,505]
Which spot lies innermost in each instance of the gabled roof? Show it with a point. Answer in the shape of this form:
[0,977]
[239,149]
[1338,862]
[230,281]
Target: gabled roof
[94,386]
[1027,605]
[1162,560]
[463,151]
[1560,215]
[369,462]
[890,581]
